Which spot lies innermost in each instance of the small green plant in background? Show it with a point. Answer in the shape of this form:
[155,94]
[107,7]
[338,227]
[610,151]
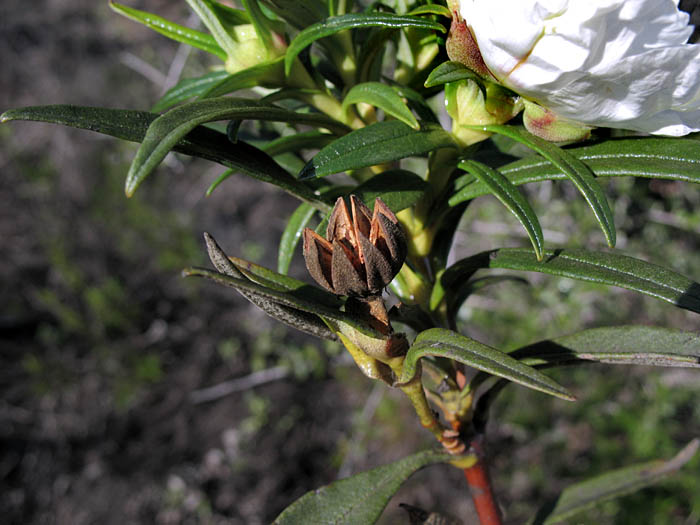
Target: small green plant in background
[338,104]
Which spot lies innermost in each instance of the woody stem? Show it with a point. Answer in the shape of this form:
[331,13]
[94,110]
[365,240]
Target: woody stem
[480,487]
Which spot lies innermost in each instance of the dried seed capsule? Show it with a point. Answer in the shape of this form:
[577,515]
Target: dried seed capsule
[362,251]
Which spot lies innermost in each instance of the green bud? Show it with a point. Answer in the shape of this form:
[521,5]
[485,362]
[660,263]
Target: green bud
[466,104]
[250,49]
[542,122]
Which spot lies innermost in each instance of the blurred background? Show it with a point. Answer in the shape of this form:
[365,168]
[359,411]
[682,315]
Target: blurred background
[108,356]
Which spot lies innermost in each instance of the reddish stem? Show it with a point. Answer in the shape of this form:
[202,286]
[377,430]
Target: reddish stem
[480,488]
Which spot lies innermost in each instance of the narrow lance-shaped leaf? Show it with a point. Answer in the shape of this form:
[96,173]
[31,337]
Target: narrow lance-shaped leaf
[605,268]
[375,144]
[360,498]
[451,72]
[299,14]
[611,485]
[291,235]
[576,171]
[176,32]
[656,158]
[626,345]
[451,345]
[210,18]
[335,24]
[431,9]
[201,142]
[260,22]
[188,88]
[383,97]
[511,198]
[168,129]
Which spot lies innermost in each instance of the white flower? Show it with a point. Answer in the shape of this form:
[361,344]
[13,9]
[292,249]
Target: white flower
[613,63]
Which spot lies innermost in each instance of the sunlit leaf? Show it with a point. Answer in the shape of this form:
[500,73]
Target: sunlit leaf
[168,129]
[451,72]
[431,9]
[360,498]
[511,198]
[210,17]
[383,97]
[451,345]
[179,33]
[656,158]
[375,144]
[334,24]
[574,169]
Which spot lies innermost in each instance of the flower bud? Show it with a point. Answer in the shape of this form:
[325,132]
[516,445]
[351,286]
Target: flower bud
[362,252]
[466,104]
[250,49]
[545,124]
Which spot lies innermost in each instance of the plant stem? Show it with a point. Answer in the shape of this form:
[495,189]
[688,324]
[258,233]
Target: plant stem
[480,488]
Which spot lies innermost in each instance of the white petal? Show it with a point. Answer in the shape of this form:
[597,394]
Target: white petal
[614,63]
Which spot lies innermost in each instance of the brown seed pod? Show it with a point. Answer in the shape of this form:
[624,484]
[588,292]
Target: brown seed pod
[362,251]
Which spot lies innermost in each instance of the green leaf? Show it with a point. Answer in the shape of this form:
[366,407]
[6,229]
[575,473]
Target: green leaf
[375,144]
[575,170]
[610,485]
[267,73]
[511,198]
[299,14]
[125,124]
[188,88]
[600,267]
[334,24]
[168,129]
[431,9]
[451,345]
[173,31]
[383,97]
[298,141]
[625,345]
[399,189]
[260,22]
[360,498]
[228,15]
[201,142]
[451,72]
[291,235]
[656,158]
[210,18]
